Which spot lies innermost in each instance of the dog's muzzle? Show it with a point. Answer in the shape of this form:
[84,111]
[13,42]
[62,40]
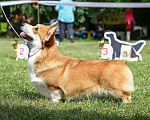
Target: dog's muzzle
[25,36]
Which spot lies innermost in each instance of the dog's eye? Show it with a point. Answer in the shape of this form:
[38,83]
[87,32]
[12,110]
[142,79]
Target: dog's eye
[36,29]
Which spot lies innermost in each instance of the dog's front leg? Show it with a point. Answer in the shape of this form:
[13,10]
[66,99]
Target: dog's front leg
[55,92]
[56,95]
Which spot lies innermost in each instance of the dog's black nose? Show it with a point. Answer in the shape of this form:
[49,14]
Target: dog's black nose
[22,24]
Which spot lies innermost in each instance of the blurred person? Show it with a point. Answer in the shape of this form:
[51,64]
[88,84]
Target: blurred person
[66,19]
[16,23]
[128,30]
[99,30]
[80,33]
[23,19]
[129,19]
[30,21]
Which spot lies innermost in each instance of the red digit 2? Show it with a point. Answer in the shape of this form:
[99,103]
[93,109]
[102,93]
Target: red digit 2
[22,49]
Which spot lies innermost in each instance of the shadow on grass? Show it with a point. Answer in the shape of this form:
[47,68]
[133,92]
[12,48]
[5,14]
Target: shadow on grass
[35,96]
[35,113]
[31,95]
[96,97]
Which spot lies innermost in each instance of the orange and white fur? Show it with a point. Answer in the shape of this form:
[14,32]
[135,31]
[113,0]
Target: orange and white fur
[57,76]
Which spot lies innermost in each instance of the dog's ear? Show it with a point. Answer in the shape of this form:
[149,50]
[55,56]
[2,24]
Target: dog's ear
[50,36]
[54,24]
[51,32]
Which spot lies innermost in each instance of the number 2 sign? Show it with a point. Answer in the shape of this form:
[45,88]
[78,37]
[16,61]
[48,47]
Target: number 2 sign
[107,51]
[22,51]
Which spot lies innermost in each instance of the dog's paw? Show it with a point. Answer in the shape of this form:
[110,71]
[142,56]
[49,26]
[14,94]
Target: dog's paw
[55,100]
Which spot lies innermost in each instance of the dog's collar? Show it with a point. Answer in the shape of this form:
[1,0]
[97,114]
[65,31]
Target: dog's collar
[35,52]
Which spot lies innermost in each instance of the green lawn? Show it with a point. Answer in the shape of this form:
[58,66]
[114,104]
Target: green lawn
[20,101]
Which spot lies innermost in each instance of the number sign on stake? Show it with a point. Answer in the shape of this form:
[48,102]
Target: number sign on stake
[107,52]
[22,51]
[124,50]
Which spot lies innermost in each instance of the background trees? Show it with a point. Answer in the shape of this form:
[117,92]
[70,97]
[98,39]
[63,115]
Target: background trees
[82,15]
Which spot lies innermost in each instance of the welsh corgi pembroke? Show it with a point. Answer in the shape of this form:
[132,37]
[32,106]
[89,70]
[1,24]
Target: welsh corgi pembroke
[57,76]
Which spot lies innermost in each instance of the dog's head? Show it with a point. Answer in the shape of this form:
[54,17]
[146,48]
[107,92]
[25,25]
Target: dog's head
[38,36]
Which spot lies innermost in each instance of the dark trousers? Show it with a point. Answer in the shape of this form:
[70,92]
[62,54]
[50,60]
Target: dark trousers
[65,26]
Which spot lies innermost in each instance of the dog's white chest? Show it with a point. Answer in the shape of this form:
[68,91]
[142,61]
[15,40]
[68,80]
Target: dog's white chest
[37,82]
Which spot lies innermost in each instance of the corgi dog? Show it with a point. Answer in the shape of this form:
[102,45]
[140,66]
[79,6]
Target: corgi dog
[57,76]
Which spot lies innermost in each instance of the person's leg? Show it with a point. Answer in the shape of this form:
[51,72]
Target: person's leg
[62,31]
[128,35]
[132,31]
[70,31]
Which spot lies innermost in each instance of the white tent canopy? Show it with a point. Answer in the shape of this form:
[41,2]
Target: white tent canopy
[83,4]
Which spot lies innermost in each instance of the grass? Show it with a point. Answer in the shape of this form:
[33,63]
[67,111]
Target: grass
[20,101]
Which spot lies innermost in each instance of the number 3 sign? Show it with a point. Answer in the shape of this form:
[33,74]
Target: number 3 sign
[107,51]
[22,51]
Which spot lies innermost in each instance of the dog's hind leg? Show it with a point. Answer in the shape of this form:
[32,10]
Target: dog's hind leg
[127,89]
[126,97]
